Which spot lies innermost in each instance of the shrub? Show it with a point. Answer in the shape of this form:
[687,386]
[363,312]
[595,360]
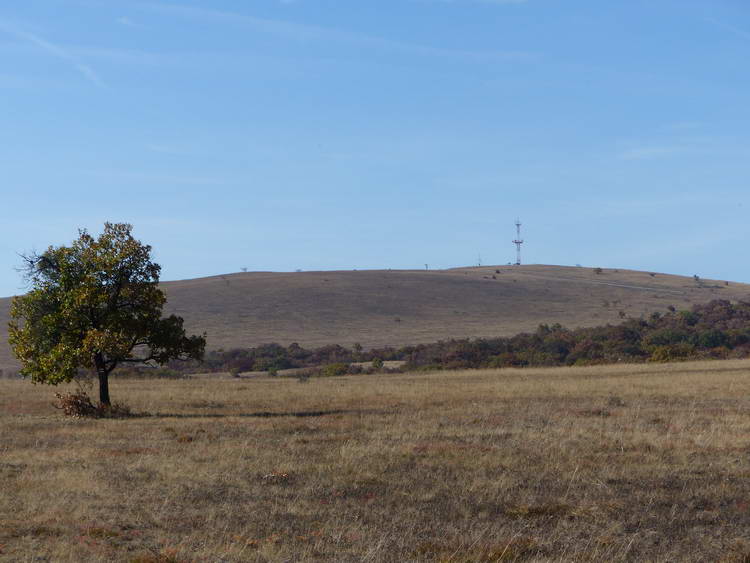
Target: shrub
[712,339]
[332,370]
[672,352]
[665,337]
[377,363]
[264,364]
[690,318]
[79,405]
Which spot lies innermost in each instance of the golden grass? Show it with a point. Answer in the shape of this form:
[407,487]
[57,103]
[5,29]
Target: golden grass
[622,463]
[400,307]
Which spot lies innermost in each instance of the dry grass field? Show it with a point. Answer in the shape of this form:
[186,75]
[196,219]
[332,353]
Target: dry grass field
[399,307]
[622,463]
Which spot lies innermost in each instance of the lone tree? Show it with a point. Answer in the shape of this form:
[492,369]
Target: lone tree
[94,305]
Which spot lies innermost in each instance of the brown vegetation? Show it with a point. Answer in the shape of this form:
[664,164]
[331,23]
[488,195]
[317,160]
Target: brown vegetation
[621,463]
[347,307]
[715,330]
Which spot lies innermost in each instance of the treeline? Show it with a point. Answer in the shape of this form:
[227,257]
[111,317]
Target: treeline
[274,358]
[719,329]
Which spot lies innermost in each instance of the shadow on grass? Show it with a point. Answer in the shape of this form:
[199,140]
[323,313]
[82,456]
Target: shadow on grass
[261,414]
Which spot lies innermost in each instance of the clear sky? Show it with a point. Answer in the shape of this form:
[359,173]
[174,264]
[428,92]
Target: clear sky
[342,134]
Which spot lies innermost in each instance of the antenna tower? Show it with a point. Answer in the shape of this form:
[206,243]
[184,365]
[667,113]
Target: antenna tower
[518,242]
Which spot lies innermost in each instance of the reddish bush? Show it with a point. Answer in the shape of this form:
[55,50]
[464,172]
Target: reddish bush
[79,405]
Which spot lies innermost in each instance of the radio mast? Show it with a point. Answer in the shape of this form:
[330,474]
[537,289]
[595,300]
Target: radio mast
[518,242]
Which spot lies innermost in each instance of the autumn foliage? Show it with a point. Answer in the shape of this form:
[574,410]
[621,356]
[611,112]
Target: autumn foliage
[719,329]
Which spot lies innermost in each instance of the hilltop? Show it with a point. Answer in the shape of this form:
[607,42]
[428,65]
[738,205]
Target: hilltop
[398,307]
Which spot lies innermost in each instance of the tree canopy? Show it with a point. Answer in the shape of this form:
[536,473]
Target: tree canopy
[95,304]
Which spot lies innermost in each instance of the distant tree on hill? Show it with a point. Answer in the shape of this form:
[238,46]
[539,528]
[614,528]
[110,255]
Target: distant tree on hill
[357,356]
[95,304]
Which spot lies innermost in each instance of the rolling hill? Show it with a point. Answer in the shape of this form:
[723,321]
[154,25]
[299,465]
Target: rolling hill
[397,307]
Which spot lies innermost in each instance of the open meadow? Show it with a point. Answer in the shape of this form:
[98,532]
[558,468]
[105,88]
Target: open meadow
[620,463]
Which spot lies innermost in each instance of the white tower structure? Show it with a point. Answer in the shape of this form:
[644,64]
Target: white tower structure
[518,242]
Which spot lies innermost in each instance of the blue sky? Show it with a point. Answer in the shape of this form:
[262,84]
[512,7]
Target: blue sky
[320,134]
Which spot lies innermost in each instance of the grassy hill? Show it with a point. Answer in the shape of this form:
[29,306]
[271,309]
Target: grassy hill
[396,307]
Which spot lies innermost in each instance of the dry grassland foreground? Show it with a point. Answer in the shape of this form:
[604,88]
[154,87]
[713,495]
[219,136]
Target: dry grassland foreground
[623,463]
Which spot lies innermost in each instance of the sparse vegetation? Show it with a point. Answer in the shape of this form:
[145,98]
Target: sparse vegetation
[252,309]
[717,330]
[333,370]
[511,465]
[78,405]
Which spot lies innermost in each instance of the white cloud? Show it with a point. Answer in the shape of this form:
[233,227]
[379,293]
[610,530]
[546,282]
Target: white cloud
[680,145]
[119,175]
[650,153]
[166,149]
[685,126]
[306,32]
[54,50]
[131,56]
[730,28]
[473,1]
[127,22]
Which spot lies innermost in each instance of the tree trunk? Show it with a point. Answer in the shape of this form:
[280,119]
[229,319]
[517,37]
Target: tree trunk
[101,370]
[104,388]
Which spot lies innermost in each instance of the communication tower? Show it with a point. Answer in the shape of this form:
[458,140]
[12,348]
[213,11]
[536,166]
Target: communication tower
[518,242]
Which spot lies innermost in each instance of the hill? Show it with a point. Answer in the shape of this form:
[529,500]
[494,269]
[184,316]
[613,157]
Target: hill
[397,307]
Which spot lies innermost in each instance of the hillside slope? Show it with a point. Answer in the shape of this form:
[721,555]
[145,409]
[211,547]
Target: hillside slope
[396,307]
